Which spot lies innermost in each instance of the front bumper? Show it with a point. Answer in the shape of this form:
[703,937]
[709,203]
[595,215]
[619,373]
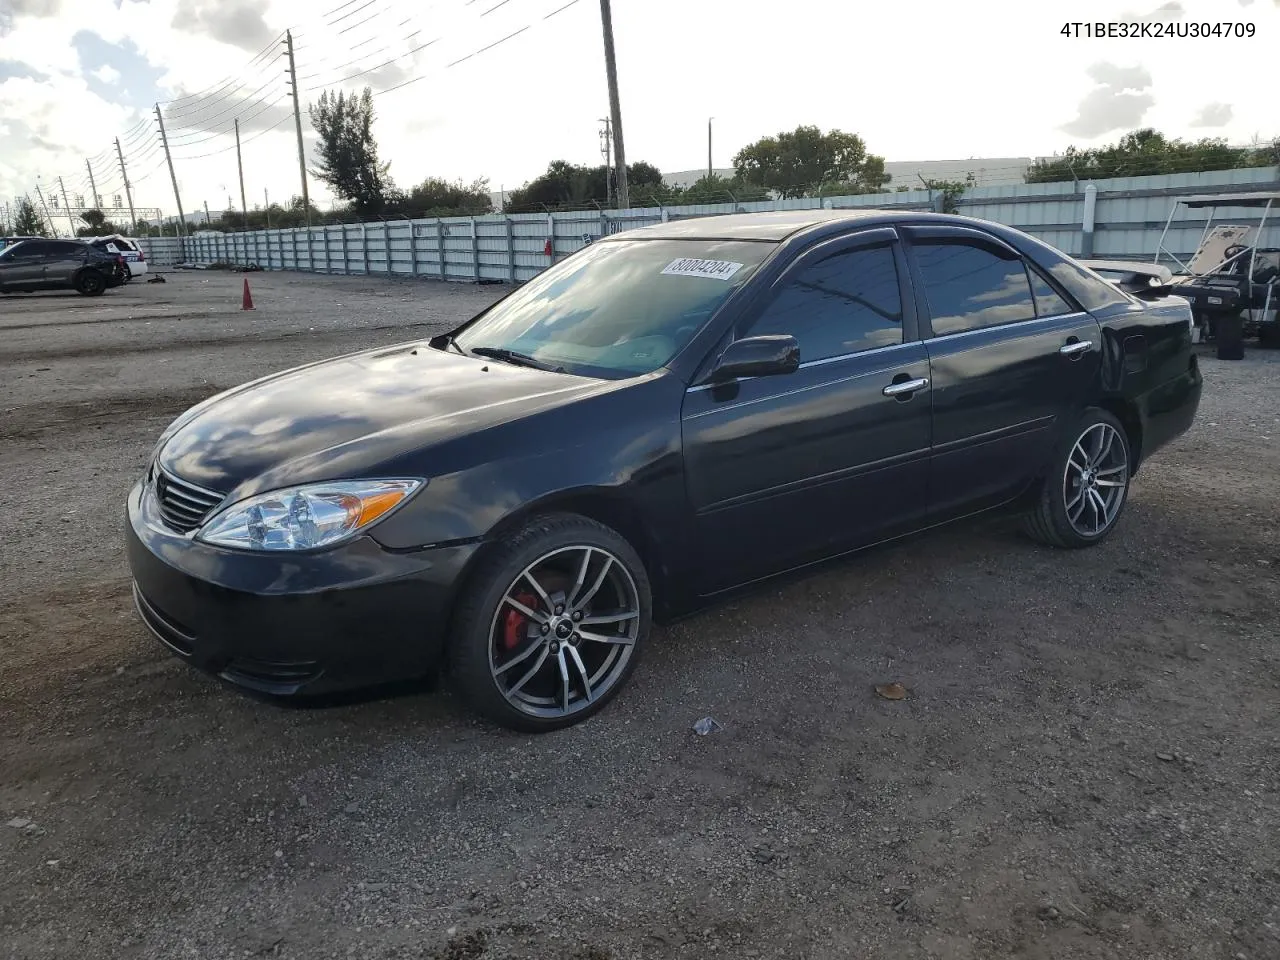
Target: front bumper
[352,616]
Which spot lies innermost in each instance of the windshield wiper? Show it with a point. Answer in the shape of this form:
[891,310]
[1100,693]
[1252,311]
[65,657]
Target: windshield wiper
[511,356]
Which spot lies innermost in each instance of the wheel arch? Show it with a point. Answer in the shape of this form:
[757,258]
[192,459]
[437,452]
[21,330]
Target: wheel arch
[609,507]
[1126,411]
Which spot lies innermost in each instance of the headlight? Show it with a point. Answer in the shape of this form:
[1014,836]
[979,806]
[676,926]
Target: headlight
[303,518]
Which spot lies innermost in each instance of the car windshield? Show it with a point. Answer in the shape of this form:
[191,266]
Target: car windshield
[618,308]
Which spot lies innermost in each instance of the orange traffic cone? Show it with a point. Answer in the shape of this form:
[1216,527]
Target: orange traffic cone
[246,302]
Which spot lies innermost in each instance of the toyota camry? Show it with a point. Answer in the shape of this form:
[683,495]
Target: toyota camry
[666,416]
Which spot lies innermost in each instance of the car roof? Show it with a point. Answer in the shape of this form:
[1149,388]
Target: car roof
[781,224]
[769,225]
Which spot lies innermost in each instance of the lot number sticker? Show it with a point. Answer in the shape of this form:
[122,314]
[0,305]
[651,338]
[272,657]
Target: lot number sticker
[711,269]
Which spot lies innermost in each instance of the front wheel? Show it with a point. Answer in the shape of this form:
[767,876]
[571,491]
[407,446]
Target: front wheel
[1086,487]
[551,624]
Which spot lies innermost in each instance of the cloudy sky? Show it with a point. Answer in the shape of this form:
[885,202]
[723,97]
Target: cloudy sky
[497,88]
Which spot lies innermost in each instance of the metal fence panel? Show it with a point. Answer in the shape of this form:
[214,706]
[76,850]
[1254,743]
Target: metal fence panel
[1130,215]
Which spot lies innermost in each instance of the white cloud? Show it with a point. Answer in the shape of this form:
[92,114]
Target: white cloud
[107,74]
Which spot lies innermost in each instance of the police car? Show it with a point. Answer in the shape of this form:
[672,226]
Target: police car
[135,260]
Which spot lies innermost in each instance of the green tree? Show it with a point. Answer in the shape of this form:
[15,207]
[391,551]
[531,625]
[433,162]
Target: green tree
[950,190]
[348,153]
[718,189]
[27,221]
[1147,152]
[96,225]
[436,197]
[796,163]
[570,186]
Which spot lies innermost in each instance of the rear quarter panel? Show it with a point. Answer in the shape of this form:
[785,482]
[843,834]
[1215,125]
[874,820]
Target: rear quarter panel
[1149,367]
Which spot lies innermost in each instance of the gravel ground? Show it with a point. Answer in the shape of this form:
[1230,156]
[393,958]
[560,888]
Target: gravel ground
[1084,766]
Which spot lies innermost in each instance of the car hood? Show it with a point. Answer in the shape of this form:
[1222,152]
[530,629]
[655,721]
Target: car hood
[339,417]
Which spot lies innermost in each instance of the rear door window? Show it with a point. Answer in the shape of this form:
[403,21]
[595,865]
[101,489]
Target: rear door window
[1048,301]
[968,287]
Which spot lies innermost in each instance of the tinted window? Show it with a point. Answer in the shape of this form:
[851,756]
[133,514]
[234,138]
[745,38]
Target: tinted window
[620,307]
[1090,291]
[64,248]
[842,304]
[1048,303]
[32,248]
[969,287]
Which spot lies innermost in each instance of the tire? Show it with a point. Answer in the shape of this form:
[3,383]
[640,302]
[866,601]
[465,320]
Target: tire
[91,283]
[545,672]
[1060,518]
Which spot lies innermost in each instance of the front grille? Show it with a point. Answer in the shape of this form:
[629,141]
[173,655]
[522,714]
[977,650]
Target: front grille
[183,506]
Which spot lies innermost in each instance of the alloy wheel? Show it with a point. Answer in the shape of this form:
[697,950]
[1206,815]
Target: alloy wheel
[1095,480]
[564,631]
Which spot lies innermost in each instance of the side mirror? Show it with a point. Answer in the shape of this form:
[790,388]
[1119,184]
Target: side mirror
[758,357]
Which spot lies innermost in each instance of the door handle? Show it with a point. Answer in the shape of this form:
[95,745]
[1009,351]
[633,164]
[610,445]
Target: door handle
[905,387]
[1076,348]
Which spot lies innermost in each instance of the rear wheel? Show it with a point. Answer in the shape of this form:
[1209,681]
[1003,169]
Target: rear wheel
[550,626]
[1087,486]
[91,283]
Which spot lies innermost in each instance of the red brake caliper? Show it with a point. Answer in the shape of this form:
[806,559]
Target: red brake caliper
[515,624]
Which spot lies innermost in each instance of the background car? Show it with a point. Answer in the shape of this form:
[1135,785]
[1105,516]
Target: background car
[42,264]
[135,259]
[664,417]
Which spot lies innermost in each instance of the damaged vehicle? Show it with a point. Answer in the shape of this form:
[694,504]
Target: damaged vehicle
[666,417]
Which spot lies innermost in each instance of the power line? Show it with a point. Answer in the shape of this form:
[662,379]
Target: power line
[184,118]
[476,53]
[369,70]
[243,143]
[222,133]
[231,79]
[206,123]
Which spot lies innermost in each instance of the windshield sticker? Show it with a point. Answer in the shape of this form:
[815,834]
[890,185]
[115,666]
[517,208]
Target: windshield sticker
[711,269]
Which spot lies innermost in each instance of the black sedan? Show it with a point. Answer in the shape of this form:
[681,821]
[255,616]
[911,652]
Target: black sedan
[666,416]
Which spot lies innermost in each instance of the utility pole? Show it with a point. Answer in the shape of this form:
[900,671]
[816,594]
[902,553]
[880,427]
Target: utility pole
[71,223]
[297,123]
[39,193]
[244,206]
[606,150]
[128,190]
[93,186]
[615,109]
[182,217]
[709,167]
[206,213]
[266,206]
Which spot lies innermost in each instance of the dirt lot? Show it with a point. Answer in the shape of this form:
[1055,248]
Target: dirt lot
[1086,765]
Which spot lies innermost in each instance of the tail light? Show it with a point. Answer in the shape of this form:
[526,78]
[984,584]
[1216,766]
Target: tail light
[142,255]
